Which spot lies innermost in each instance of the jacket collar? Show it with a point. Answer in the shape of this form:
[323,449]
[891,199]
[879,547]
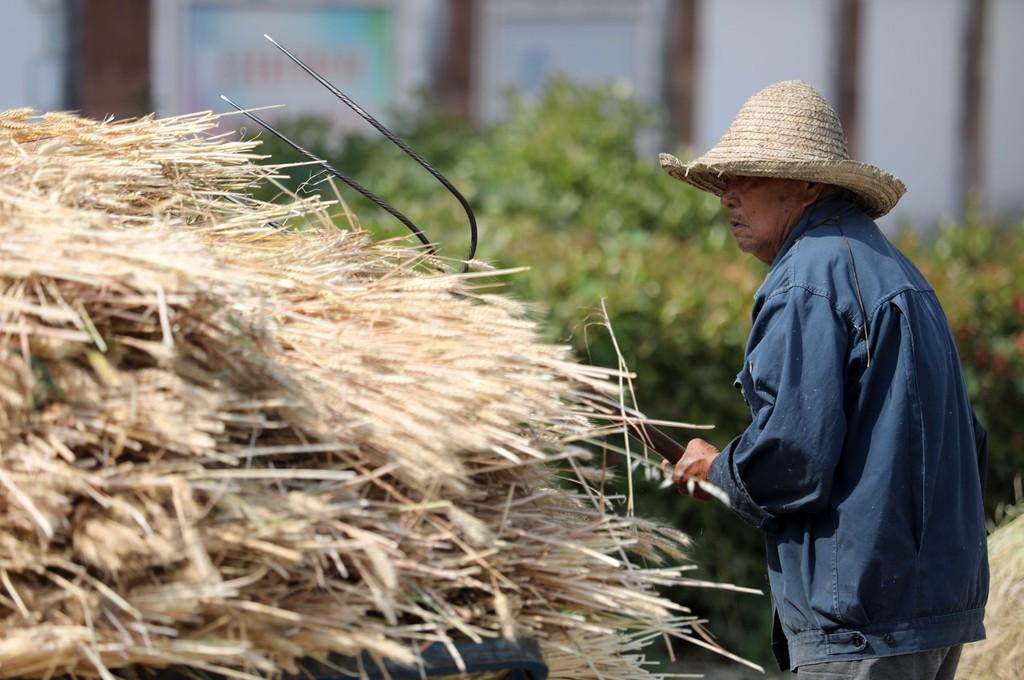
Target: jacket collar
[824,210]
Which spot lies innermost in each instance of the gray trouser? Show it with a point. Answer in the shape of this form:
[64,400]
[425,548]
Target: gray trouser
[935,664]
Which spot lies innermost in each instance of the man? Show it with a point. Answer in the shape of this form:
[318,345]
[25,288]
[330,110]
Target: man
[863,463]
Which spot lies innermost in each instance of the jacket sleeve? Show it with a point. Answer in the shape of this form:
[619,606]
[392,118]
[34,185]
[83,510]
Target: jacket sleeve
[794,383]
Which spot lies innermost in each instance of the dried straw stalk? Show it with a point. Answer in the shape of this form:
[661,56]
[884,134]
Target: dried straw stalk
[1001,655]
[229,446]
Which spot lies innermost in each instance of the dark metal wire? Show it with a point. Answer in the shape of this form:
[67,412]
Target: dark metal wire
[396,141]
[339,174]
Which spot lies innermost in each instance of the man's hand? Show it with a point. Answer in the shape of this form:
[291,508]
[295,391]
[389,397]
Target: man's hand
[694,465]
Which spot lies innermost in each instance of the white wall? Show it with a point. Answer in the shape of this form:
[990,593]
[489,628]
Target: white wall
[745,45]
[910,101]
[1003,109]
[32,45]
[523,43]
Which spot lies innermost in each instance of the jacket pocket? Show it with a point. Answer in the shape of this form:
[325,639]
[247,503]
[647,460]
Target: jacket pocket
[745,384]
[916,448]
[756,391]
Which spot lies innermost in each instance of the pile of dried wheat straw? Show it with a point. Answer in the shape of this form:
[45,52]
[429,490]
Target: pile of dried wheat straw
[1001,655]
[229,445]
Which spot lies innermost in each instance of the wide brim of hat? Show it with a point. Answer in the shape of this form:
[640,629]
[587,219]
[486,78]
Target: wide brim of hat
[878,190]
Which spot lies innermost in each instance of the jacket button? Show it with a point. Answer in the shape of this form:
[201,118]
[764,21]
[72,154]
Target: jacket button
[858,640]
[889,639]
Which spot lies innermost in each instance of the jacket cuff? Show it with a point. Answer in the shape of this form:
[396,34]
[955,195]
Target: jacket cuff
[724,474]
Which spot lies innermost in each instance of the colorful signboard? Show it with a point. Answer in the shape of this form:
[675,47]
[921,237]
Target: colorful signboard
[225,53]
[373,50]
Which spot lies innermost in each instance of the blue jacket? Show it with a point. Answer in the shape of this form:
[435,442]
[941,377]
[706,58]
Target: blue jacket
[864,463]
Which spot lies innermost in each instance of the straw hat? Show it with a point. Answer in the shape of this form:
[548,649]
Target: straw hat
[788,130]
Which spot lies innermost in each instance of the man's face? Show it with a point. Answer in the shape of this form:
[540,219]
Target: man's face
[762,210]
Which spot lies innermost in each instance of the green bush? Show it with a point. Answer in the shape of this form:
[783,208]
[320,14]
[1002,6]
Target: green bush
[560,187]
[568,162]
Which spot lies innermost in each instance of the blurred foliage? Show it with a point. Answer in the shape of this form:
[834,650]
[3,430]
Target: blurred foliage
[560,187]
[569,163]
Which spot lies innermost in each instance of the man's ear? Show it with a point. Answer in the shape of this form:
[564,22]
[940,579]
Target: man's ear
[813,191]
